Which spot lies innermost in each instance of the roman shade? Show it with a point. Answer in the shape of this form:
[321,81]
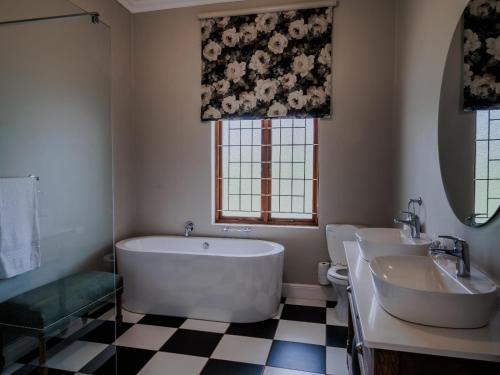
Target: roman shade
[267,65]
[481,53]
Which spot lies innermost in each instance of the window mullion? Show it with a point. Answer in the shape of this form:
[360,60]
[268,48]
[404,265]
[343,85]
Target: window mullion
[315,206]
[266,170]
[218,174]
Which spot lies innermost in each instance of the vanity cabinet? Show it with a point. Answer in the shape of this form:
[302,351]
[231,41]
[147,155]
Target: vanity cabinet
[373,361]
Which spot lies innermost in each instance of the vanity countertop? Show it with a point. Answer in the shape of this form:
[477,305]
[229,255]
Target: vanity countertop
[381,330]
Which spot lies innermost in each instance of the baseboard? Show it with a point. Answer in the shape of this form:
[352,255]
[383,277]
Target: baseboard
[309,291]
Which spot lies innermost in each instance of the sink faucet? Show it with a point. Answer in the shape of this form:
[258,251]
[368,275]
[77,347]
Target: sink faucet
[460,251]
[188,228]
[413,222]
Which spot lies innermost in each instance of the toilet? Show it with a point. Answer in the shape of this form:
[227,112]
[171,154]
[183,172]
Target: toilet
[336,234]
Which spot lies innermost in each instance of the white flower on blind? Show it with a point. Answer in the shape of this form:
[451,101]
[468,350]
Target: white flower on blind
[493,47]
[212,51]
[266,22]
[235,71]
[260,62]
[298,29]
[303,64]
[277,110]
[297,99]
[265,89]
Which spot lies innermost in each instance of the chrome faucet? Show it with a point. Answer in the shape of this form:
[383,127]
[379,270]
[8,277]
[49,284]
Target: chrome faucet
[413,222]
[460,251]
[188,228]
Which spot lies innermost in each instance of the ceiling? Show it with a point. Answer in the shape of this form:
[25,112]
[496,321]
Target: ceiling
[137,6]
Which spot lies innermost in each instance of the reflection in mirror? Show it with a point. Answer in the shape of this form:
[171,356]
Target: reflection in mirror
[487,169]
[469,145]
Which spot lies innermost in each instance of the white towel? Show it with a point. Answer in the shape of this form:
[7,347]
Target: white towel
[19,227]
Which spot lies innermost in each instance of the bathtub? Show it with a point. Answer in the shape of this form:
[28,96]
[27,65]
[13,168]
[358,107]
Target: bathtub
[221,279]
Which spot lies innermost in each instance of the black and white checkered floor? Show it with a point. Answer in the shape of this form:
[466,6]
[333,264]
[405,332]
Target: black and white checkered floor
[305,338]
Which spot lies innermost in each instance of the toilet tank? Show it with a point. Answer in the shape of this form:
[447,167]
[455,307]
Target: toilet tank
[336,234]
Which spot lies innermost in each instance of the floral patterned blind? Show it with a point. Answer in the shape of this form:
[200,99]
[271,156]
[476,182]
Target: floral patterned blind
[481,55]
[267,65]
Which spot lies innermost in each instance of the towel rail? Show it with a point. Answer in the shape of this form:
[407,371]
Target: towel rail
[30,176]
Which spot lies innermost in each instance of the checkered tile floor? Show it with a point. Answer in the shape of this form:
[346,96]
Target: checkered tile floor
[305,338]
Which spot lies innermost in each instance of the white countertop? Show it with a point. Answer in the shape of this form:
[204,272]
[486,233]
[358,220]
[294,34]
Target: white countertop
[381,330]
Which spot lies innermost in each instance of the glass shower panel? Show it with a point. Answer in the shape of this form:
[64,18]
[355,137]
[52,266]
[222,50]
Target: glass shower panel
[55,124]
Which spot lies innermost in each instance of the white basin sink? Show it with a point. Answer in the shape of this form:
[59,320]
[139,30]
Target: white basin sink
[425,290]
[376,242]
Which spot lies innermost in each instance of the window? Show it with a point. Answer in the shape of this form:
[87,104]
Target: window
[266,172]
[487,170]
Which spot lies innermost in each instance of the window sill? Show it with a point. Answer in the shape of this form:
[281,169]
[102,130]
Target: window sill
[274,226]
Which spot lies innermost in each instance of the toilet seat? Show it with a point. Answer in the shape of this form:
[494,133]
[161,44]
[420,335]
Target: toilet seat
[339,274]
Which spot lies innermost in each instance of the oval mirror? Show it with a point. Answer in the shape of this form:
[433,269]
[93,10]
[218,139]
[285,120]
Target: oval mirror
[469,116]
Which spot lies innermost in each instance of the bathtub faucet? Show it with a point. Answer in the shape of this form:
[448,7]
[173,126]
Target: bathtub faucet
[188,228]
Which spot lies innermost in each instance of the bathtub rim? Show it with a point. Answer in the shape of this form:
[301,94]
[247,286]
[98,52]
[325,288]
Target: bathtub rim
[277,248]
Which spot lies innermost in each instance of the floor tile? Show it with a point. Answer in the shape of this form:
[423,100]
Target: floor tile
[33,355]
[99,360]
[75,356]
[205,325]
[128,317]
[106,332]
[12,368]
[145,337]
[27,369]
[74,334]
[331,304]
[284,371]
[304,313]
[305,302]
[265,329]
[280,310]
[243,349]
[190,342]
[333,319]
[160,320]
[126,361]
[336,361]
[219,367]
[76,325]
[336,336]
[309,333]
[106,307]
[297,356]
[34,370]
[173,364]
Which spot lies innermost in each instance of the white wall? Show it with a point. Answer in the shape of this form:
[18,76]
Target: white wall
[425,29]
[119,20]
[174,147]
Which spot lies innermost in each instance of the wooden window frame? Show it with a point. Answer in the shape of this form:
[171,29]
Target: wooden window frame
[266,192]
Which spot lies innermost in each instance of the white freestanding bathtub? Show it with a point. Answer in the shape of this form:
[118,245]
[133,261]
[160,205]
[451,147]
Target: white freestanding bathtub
[222,279]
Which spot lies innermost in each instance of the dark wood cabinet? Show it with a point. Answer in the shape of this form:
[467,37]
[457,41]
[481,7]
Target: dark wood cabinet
[373,361]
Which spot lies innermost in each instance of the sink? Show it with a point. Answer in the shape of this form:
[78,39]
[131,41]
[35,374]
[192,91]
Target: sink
[376,242]
[425,290]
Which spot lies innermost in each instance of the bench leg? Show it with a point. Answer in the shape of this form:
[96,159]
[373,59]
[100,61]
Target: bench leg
[2,358]
[119,316]
[42,351]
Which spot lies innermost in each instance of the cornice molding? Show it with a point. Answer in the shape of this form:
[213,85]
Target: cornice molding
[139,6]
